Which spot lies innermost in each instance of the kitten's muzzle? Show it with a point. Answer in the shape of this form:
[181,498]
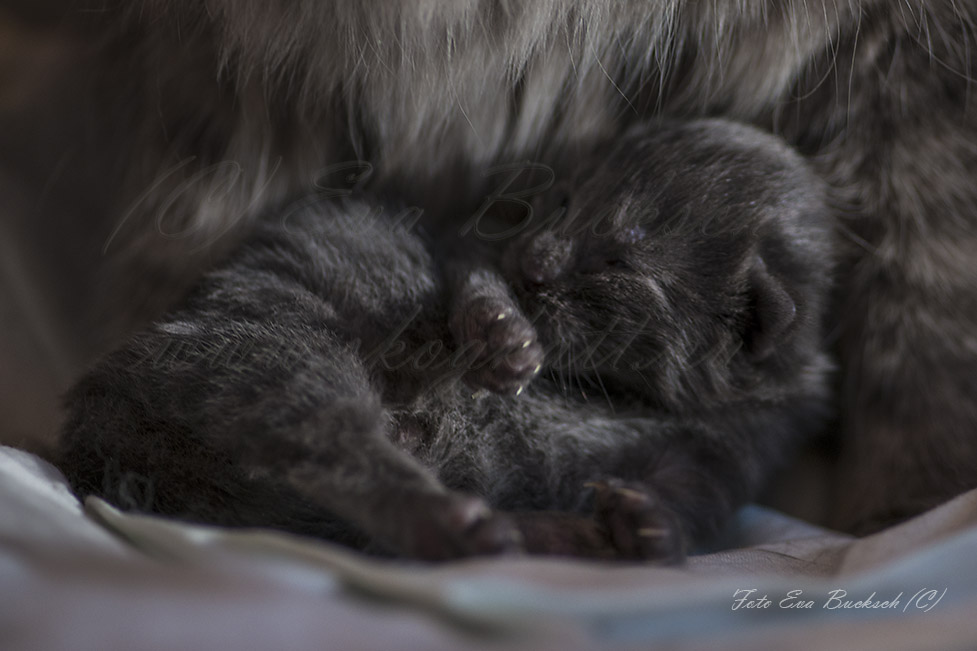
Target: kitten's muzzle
[544,258]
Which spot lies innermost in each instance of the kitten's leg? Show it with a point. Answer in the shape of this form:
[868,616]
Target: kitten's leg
[235,425]
[402,507]
[653,484]
[253,404]
[347,464]
[560,533]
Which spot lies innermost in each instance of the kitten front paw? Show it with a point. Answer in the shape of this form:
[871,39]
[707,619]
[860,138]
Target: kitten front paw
[503,353]
[638,523]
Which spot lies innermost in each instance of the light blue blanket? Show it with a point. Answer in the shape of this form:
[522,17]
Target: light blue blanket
[74,577]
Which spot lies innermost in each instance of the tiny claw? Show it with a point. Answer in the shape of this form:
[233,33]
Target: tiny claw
[519,391]
[633,494]
[479,513]
[538,368]
[527,343]
[649,532]
[502,316]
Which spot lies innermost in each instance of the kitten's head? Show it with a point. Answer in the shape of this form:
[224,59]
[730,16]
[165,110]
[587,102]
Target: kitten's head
[687,264]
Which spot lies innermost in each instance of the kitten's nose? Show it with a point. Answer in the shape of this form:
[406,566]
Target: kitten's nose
[545,258]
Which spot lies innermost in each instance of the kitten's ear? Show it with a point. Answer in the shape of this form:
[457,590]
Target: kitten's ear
[772,311]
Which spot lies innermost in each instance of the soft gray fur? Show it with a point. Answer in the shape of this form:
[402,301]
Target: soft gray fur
[661,333]
[876,92]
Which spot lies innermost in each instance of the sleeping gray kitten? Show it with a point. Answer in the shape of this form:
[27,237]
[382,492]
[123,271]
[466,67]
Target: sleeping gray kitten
[178,123]
[346,376]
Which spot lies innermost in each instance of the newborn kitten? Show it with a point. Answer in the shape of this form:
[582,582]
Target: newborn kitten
[663,335]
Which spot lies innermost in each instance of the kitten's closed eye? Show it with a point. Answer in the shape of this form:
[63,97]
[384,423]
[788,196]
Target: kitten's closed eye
[617,259]
[634,234]
[617,264]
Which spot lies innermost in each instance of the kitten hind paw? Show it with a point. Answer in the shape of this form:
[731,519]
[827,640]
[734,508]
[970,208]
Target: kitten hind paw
[638,523]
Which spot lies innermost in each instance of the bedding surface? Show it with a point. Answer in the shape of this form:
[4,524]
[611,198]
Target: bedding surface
[76,576]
